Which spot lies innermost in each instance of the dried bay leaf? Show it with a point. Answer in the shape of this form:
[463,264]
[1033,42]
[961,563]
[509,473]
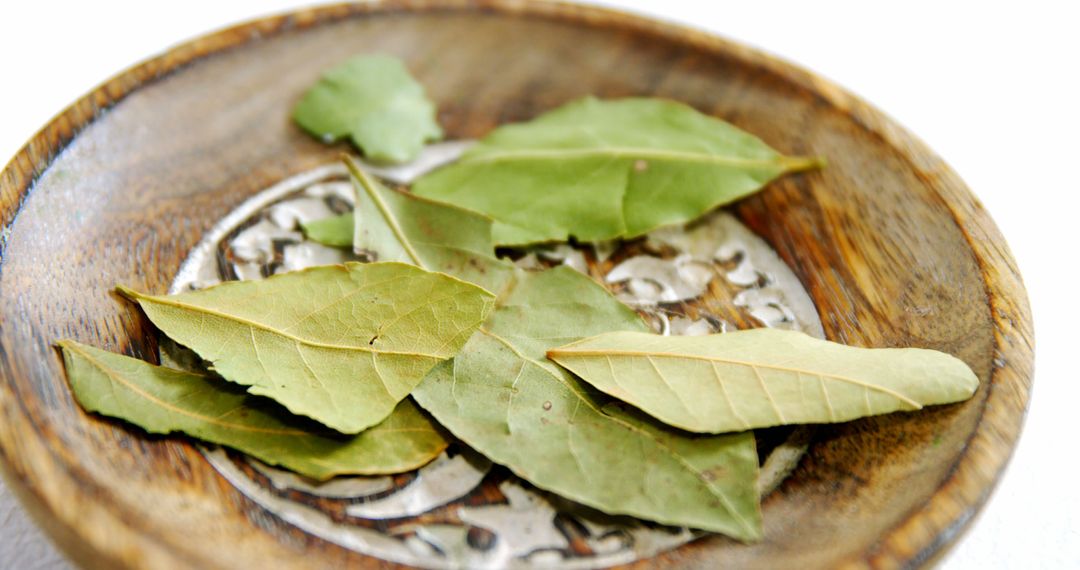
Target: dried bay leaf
[399,226]
[506,400]
[341,344]
[762,377]
[502,396]
[599,170]
[374,102]
[162,400]
[336,231]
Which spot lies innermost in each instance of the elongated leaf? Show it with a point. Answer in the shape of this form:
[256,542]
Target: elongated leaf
[336,231]
[438,237]
[762,377]
[599,170]
[376,103]
[162,400]
[342,344]
[505,399]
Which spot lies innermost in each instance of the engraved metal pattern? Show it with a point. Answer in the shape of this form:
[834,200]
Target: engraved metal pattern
[460,511]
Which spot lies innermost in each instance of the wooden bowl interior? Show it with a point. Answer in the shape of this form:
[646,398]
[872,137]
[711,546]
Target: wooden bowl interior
[878,248]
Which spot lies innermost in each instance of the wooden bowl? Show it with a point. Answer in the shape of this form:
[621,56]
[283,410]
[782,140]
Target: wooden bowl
[892,247]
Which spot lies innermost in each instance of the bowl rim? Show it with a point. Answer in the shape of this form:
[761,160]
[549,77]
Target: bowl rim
[921,537]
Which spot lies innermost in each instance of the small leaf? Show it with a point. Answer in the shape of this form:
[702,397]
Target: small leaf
[763,377]
[162,400]
[336,231]
[438,237]
[376,103]
[342,344]
[599,170]
[506,400]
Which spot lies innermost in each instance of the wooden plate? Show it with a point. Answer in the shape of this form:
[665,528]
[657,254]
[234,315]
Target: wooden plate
[892,247]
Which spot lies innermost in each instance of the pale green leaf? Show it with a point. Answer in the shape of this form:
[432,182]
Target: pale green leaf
[336,231]
[399,226]
[599,170]
[342,344]
[162,400]
[762,377]
[376,103]
[505,399]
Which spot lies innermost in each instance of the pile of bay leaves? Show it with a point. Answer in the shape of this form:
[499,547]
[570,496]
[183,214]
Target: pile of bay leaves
[371,368]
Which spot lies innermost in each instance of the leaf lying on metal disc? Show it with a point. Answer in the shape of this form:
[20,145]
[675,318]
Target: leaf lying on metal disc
[342,344]
[162,400]
[506,400]
[599,170]
[336,231]
[762,377]
[399,226]
[376,103]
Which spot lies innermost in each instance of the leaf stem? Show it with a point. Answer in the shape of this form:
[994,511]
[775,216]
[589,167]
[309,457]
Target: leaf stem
[129,293]
[803,163]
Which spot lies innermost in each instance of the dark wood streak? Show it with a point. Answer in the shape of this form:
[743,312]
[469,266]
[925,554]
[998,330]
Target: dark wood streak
[891,245]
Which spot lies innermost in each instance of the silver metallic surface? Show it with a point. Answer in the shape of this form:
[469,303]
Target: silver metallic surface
[465,524]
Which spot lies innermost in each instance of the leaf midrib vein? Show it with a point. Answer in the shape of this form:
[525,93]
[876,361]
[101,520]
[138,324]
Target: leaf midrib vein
[641,153]
[368,185]
[176,409]
[752,365]
[269,329]
[169,406]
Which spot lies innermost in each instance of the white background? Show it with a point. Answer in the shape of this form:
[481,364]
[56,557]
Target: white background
[991,87]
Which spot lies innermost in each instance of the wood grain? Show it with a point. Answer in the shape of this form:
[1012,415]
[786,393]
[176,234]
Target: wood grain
[892,246]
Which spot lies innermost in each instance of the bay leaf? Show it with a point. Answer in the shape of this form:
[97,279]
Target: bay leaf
[335,231]
[374,102]
[598,170]
[163,400]
[502,396]
[399,226]
[341,344]
[762,377]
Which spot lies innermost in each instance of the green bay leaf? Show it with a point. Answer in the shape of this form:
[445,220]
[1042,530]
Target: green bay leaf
[376,103]
[341,344]
[163,400]
[504,398]
[599,170]
[335,231]
[399,226]
[763,377]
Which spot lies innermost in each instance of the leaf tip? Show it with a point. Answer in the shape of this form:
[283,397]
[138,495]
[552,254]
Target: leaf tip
[65,345]
[803,163]
[128,293]
[971,381]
